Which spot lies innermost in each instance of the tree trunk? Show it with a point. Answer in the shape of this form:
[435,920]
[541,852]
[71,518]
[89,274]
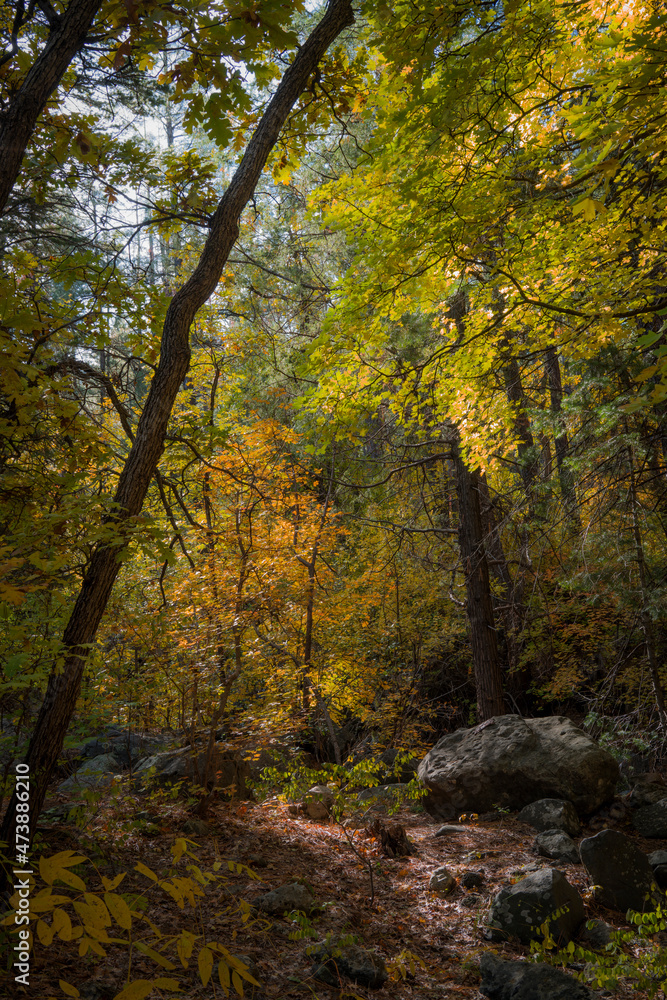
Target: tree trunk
[18,121]
[65,680]
[526,446]
[479,605]
[565,476]
[645,614]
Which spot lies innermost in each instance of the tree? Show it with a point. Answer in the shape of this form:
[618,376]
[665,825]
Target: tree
[142,461]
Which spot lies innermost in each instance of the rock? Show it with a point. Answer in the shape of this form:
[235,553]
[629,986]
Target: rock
[651,821]
[608,817]
[660,875]
[382,797]
[448,828]
[551,814]
[596,933]
[510,762]
[286,898]
[619,869]
[503,980]
[129,748]
[393,772]
[225,771]
[351,961]
[557,845]
[647,790]
[96,773]
[471,901]
[471,880]
[658,862]
[94,748]
[318,801]
[520,910]
[442,880]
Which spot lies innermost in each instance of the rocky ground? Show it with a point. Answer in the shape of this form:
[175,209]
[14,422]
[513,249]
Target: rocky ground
[430,941]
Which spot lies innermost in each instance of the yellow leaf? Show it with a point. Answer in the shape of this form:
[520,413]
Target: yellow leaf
[179,848]
[143,870]
[223,974]
[237,983]
[184,946]
[166,984]
[155,955]
[98,906]
[111,884]
[45,933]
[62,925]
[119,910]
[69,878]
[52,868]
[71,991]
[205,962]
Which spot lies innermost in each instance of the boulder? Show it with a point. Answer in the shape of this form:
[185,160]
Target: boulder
[520,910]
[647,789]
[503,980]
[658,862]
[351,961]
[511,762]
[651,821]
[557,845]
[177,765]
[286,898]
[382,798]
[441,880]
[95,773]
[551,814]
[620,871]
[472,880]
[596,933]
[318,801]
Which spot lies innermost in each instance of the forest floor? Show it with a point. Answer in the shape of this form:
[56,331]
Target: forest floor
[444,933]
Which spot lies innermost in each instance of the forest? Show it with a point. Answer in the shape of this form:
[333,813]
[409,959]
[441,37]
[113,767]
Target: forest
[333,422]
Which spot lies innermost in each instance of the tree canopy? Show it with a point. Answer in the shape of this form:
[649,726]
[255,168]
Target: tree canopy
[334,377]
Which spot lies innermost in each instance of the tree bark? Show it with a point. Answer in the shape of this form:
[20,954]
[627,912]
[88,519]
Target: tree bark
[479,605]
[17,122]
[526,446]
[565,477]
[65,680]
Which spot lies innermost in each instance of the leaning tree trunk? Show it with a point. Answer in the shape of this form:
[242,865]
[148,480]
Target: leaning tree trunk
[65,681]
[479,604]
[18,120]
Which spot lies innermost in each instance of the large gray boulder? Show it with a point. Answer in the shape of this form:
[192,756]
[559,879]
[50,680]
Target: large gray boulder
[520,910]
[502,980]
[619,870]
[225,770]
[510,762]
[95,773]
